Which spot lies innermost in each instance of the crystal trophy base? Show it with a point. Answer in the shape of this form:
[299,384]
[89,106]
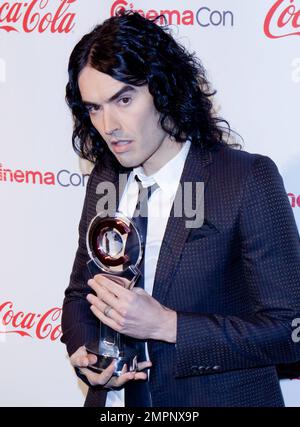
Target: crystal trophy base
[105,358]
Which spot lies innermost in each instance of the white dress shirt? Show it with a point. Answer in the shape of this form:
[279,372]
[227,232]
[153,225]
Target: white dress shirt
[159,207]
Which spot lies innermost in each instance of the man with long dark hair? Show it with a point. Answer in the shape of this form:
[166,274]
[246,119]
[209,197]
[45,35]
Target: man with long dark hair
[219,299]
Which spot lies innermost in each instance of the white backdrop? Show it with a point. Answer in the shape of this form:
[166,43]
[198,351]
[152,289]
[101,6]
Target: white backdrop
[251,51]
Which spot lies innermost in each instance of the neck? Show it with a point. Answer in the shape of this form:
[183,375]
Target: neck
[165,152]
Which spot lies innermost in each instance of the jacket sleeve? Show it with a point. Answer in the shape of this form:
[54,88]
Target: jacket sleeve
[271,266]
[79,325]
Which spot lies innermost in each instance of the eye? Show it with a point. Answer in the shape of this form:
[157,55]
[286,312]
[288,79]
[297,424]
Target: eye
[92,108]
[125,100]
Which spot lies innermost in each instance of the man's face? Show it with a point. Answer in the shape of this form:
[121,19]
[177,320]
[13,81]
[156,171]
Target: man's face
[126,118]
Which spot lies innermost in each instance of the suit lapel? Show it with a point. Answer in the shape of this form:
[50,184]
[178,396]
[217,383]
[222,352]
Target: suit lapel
[176,233]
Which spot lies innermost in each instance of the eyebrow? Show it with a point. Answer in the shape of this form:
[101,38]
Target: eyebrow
[120,92]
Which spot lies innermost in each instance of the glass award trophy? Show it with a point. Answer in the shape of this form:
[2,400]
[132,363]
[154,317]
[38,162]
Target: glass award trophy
[115,249]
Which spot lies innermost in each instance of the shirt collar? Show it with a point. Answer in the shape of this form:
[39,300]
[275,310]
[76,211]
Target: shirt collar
[167,177]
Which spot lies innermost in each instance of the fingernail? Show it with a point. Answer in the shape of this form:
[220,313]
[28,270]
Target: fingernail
[90,282]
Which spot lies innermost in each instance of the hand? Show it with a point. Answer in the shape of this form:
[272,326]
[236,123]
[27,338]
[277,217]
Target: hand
[131,312]
[81,359]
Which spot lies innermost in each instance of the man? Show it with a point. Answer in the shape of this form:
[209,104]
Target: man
[219,299]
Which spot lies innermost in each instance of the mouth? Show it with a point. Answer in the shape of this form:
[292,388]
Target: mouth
[121,145]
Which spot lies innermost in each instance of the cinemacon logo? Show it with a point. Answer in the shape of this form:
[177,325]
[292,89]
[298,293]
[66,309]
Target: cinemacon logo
[204,16]
[37,15]
[34,325]
[63,178]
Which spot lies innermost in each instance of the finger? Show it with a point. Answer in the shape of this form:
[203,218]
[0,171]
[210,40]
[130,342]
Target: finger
[144,365]
[92,377]
[79,358]
[92,299]
[101,306]
[105,293]
[108,284]
[121,281]
[84,361]
[121,380]
[140,376]
[115,382]
[104,279]
[79,352]
[106,320]
[106,297]
[99,379]
[92,358]
[96,286]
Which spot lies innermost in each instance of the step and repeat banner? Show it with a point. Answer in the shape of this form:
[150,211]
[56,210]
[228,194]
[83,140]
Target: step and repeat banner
[251,50]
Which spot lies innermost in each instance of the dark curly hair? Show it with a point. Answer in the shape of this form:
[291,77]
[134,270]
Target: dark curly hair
[137,51]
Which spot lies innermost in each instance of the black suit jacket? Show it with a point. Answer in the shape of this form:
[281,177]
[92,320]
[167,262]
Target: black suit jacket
[234,282]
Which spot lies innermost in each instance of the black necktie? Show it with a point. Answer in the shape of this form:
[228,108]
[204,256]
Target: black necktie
[137,393]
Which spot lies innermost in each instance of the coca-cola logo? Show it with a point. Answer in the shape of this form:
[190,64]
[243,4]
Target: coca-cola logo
[33,15]
[295,200]
[283,19]
[41,326]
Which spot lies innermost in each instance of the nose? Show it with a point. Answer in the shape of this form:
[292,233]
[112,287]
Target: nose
[109,122]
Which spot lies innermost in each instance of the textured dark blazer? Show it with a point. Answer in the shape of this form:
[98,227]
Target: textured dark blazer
[234,282]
